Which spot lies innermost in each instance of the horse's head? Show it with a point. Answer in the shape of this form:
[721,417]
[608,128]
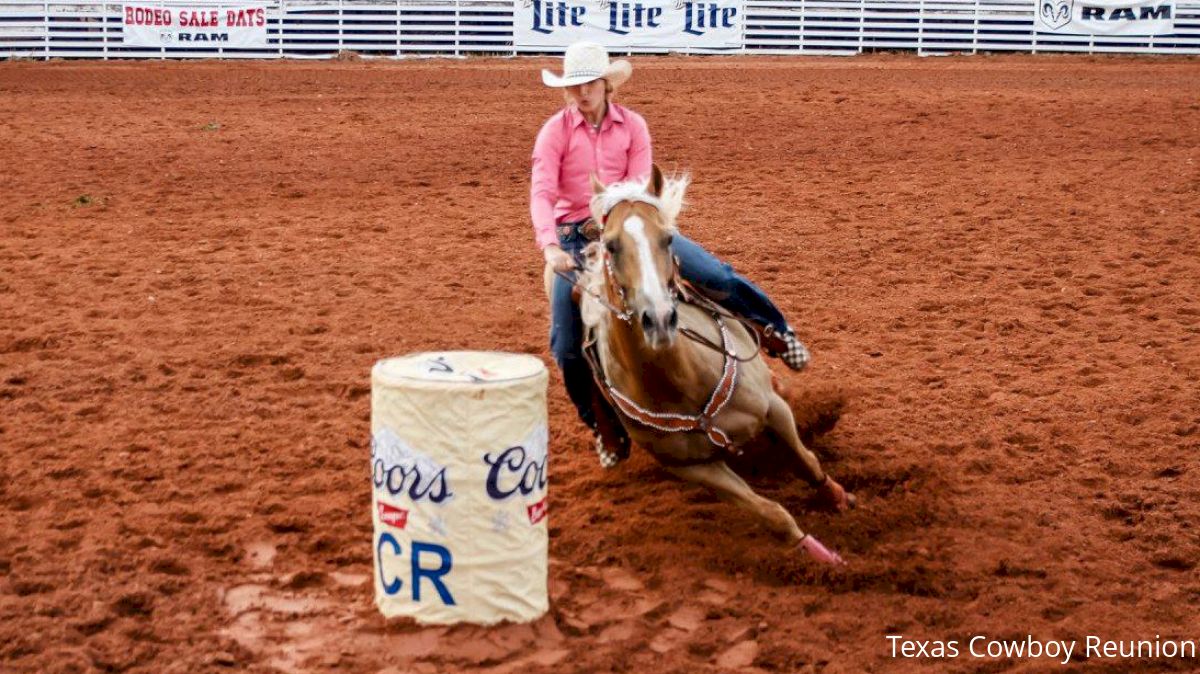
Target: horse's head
[639,224]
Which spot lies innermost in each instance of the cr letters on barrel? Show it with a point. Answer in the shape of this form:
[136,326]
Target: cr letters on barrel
[459,460]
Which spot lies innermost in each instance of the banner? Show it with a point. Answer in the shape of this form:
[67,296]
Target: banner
[630,24]
[1106,17]
[198,26]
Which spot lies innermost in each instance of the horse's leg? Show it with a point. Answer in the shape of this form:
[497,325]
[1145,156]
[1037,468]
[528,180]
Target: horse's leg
[729,486]
[780,420]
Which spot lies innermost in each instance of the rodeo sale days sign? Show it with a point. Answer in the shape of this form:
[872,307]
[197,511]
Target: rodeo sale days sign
[1106,17]
[627,24]
[183,26]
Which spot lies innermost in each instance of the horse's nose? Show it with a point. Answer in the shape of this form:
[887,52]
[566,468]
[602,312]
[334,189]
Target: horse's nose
[647,322]
[659,327]
[664,321]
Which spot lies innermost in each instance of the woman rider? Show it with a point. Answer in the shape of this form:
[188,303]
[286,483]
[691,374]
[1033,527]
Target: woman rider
[592,134]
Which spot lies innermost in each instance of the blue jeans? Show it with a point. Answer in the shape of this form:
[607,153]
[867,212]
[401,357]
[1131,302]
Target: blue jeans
[717,280]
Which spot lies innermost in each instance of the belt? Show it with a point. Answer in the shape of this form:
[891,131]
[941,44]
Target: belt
[588,229]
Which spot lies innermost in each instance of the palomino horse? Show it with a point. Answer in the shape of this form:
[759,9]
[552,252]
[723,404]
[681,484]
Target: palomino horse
[689,401]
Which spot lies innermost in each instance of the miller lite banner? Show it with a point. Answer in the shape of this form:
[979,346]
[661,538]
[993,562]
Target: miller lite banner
[164,25]
[459,460]
[1106,17]
[630,24]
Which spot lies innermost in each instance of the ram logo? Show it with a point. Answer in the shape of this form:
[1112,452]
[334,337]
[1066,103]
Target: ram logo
[204,37]
[1056,13]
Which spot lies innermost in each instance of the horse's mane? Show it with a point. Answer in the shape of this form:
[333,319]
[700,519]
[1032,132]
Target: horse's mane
[669,203]
[591,279]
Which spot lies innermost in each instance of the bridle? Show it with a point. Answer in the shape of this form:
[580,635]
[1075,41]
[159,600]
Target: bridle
[623,314]
[723,391]
[679,291]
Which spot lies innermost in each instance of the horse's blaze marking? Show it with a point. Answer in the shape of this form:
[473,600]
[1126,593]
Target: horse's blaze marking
[652,288]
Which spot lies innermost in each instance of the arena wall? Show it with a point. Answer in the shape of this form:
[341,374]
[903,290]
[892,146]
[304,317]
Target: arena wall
[327,28]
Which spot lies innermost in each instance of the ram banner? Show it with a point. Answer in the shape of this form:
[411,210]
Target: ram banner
[1106,17]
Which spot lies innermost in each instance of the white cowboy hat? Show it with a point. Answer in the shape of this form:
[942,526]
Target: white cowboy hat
[587,61]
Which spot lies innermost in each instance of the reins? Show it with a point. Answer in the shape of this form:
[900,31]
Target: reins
[699,300]
[624,315]
[693,298]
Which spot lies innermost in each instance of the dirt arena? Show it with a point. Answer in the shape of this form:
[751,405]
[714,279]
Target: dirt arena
[994,260]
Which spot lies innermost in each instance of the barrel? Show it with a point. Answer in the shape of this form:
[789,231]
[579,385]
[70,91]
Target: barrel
[459,449]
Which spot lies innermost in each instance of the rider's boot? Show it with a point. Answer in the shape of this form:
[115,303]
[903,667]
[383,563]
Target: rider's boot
[612,442]
[785,346]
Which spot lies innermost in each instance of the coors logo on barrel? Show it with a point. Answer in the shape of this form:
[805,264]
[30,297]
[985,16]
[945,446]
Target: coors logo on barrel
[403,471]
[519,469]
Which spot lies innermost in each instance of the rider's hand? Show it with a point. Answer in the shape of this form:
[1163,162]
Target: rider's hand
[558,259]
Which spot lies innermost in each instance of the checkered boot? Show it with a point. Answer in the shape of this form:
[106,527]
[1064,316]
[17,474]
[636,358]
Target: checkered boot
[611,441]
[786,347]
[610,456]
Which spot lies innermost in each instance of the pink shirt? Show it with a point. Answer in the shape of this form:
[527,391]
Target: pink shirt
[568,150]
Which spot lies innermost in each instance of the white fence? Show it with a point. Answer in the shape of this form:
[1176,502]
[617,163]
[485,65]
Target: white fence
[322,29]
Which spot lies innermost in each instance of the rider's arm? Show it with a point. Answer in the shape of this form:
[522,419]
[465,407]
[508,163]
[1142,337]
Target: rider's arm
[543,188]
[640,155]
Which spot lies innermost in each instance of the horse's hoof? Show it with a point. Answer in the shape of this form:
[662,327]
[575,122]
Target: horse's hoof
[819,552]
[837,496]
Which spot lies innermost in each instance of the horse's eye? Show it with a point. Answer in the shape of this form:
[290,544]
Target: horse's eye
[612,246]
[670,239]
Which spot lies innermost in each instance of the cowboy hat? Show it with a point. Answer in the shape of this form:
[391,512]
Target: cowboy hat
[587,61]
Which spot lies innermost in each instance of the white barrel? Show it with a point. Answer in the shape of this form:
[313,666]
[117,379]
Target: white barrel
[458,467]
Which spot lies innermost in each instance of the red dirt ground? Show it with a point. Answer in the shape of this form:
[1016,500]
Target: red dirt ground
[993,259]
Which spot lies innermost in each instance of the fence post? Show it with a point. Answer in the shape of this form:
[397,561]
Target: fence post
[975,30]
[921,28]
[745,20]
[279,29]
[862,23]
[803,16]
[103,32]
[1033,33]
[162,51]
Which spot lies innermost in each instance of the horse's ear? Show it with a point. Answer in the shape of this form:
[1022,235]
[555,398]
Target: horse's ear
[656,181]
[672,197]
[597,186]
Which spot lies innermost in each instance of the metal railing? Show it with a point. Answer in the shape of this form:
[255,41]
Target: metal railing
[324,28]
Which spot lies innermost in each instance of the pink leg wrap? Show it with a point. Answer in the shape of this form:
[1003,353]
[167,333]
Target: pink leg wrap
[819,552]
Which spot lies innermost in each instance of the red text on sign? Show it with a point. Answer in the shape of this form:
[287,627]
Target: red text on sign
[245,17]
[198,19]
[145,16]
